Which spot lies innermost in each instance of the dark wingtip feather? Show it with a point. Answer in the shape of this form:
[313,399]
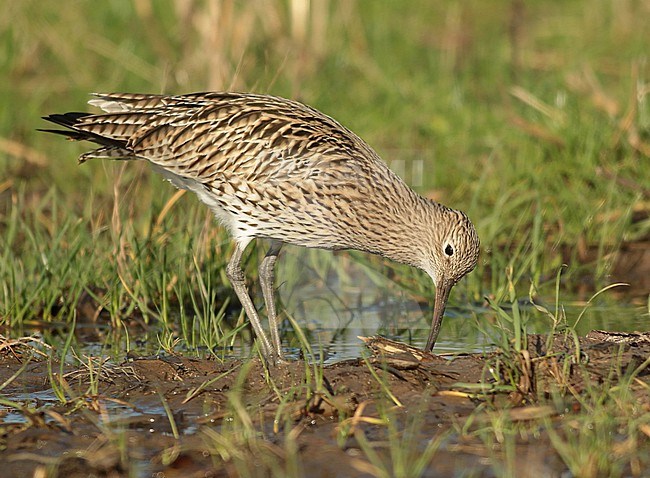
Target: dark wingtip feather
[69,120]
[75,132]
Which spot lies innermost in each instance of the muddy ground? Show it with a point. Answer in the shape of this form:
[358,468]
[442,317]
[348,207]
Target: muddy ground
[230,419]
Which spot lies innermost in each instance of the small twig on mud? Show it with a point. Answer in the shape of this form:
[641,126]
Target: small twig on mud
[102,369]
[27,342]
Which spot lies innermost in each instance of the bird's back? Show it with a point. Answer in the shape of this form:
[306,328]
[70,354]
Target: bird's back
[258,137]
[267,166]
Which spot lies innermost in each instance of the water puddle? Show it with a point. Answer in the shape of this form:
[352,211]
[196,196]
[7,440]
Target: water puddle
[335,300]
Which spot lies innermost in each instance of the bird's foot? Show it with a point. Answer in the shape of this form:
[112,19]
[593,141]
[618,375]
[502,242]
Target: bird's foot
[274,359]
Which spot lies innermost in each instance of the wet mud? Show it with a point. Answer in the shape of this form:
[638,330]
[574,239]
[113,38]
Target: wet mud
[177,416]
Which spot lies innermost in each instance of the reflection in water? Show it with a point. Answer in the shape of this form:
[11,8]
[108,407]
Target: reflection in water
[334,299]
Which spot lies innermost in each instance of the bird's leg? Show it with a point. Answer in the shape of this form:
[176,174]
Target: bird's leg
[236,276]
[267,279]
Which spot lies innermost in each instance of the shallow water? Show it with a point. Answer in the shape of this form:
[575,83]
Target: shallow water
[336,301]
[461,330]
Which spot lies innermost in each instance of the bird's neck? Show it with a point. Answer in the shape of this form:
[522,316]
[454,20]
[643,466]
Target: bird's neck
[409,227]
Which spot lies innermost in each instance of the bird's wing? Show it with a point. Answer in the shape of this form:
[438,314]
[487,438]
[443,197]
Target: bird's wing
[204,135]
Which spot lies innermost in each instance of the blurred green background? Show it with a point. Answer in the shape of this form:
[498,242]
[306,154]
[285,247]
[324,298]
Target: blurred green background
[530,116]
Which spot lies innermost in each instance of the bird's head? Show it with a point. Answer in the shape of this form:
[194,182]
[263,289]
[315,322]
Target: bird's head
[451,253]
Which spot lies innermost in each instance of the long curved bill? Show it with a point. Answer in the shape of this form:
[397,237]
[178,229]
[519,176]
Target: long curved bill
[442,294]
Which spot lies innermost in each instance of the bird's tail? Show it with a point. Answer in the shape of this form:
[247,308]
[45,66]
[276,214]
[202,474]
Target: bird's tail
[77,130]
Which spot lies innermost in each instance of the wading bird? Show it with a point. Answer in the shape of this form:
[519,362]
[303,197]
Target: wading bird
[276,169]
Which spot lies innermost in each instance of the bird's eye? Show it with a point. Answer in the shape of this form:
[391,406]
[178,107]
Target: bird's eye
[449,250]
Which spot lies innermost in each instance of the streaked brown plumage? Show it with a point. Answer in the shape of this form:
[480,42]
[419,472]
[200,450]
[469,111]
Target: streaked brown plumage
[277,169]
